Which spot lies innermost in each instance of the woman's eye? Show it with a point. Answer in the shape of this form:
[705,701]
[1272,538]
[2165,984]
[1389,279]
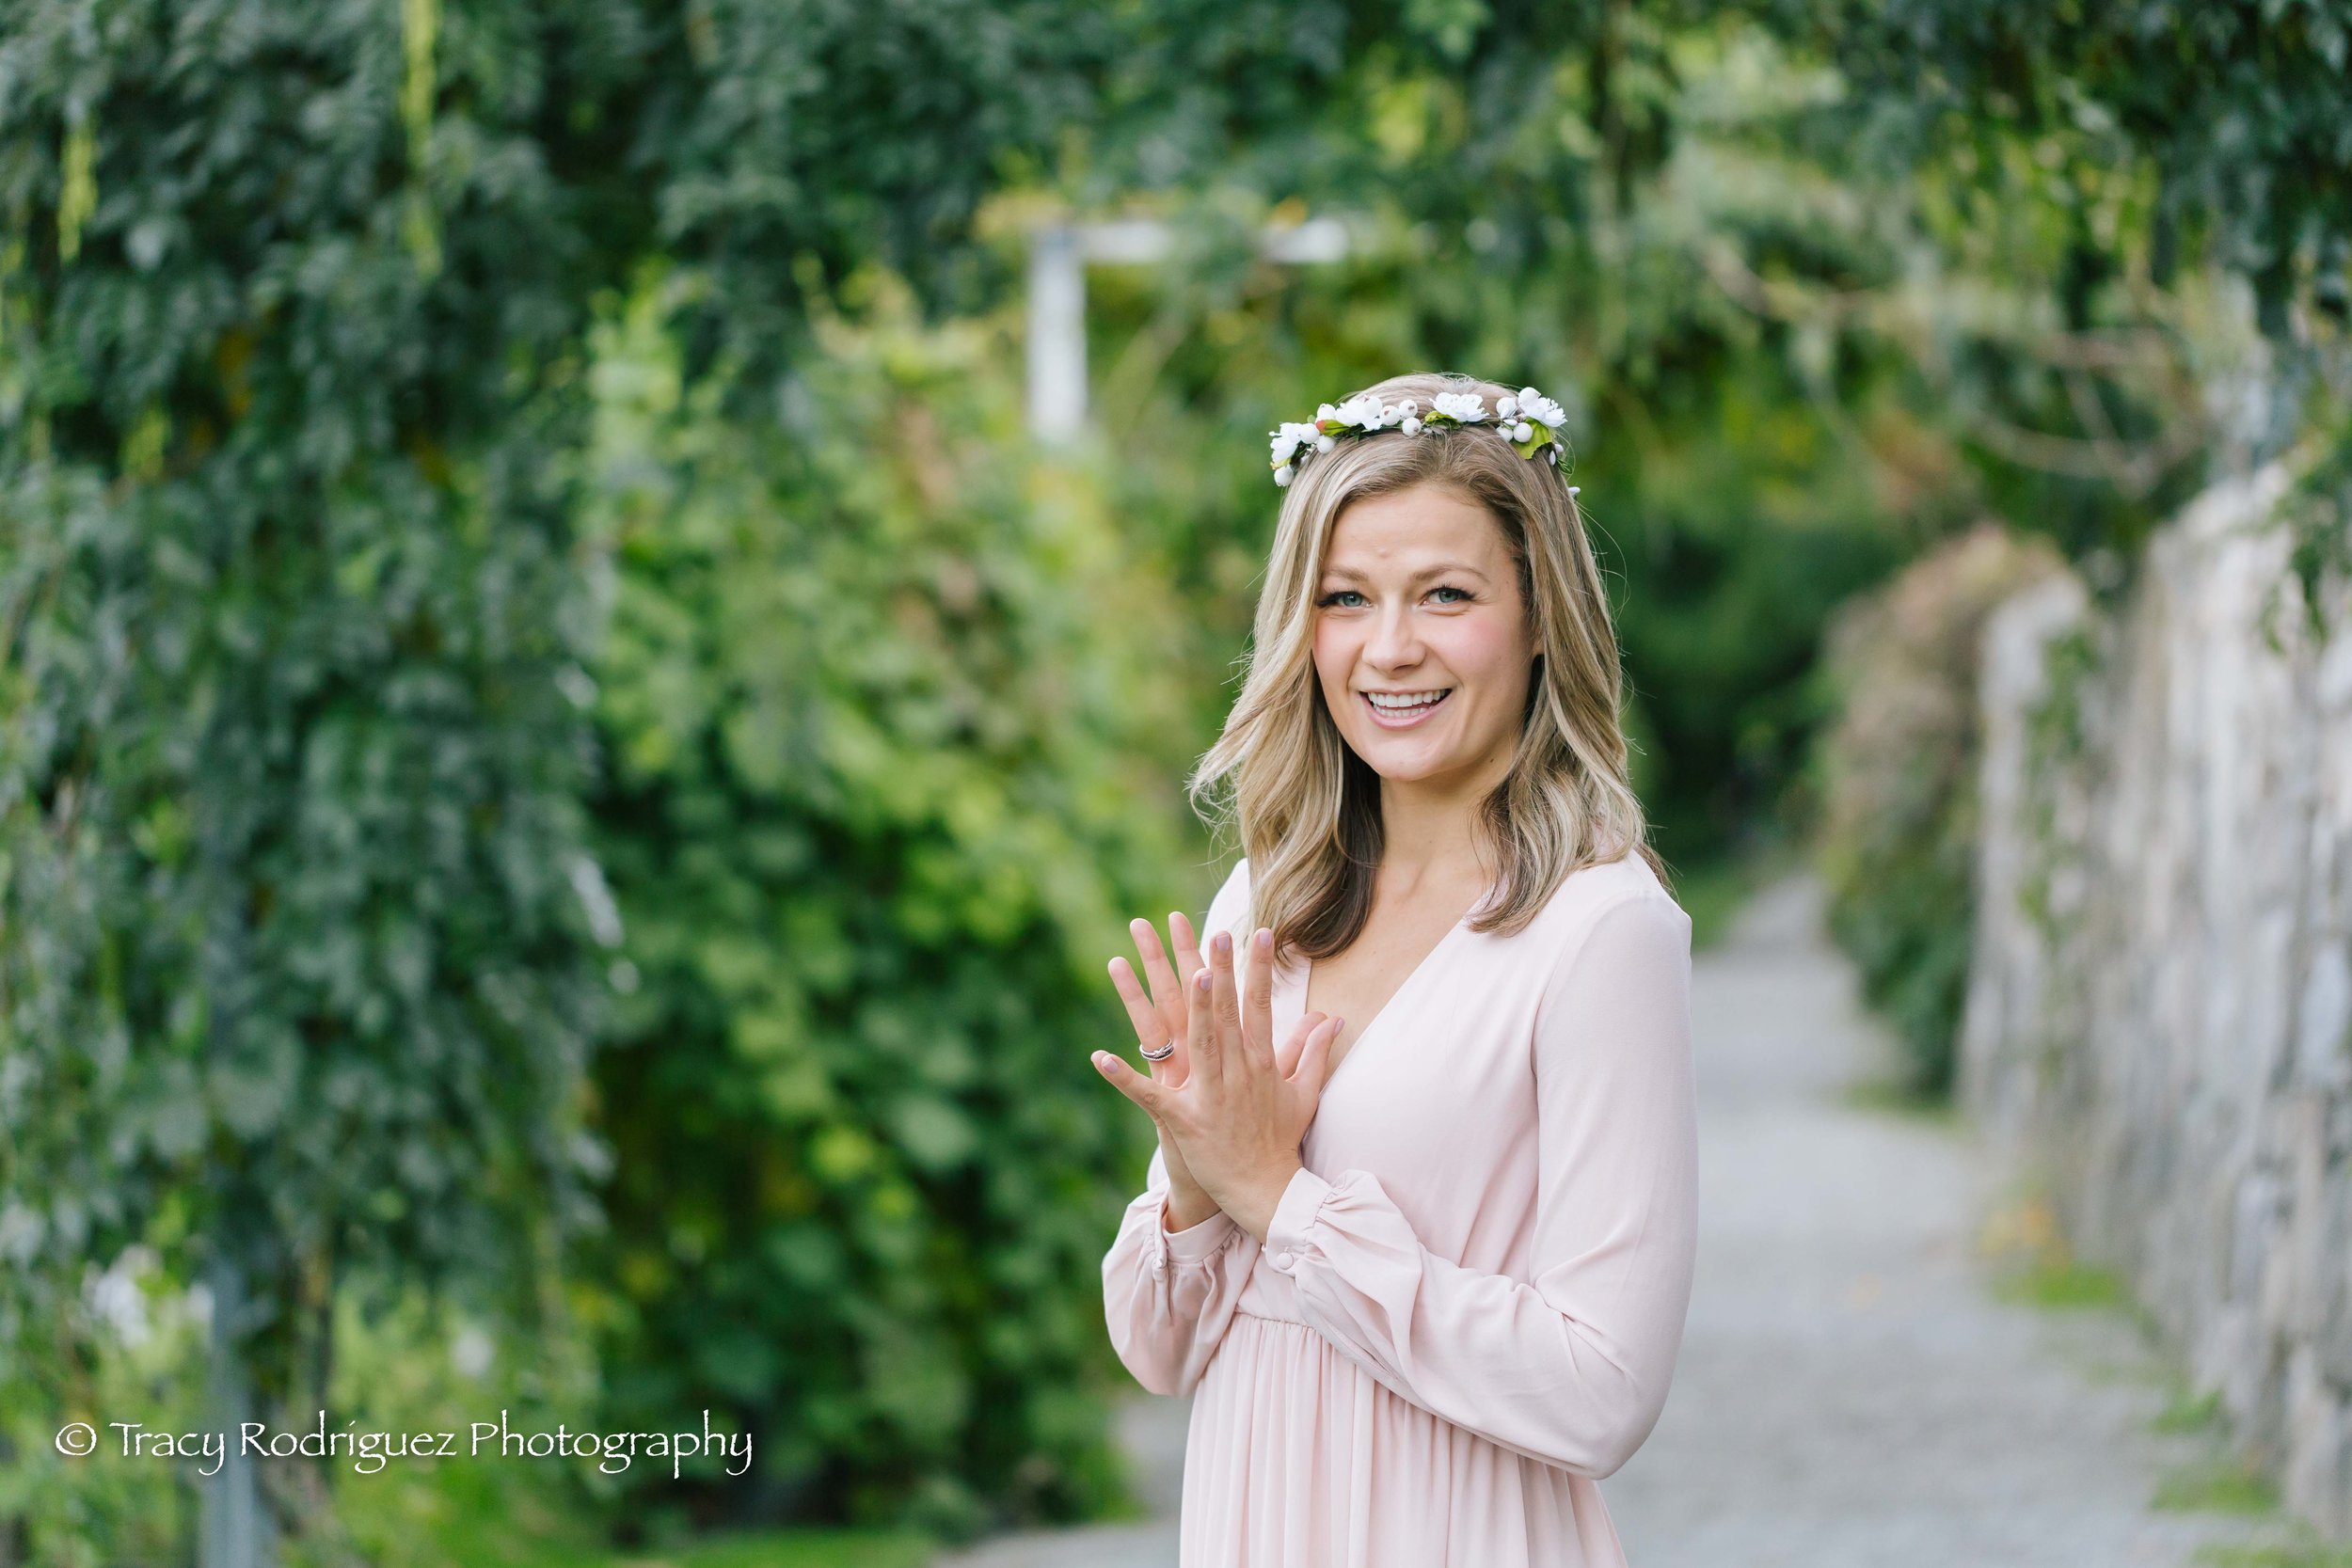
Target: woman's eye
[1337,595]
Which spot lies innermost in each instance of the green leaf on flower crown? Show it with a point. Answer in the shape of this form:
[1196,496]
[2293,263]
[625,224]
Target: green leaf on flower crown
[1536,442]
[1434,418]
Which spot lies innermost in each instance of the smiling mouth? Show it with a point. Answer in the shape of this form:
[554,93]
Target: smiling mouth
[1404,718]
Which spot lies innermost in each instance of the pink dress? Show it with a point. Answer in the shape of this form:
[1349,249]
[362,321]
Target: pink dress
[1468,1304]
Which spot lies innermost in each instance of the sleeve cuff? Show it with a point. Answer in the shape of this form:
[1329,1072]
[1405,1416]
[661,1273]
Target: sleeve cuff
[1289,1234]
[1194,1244]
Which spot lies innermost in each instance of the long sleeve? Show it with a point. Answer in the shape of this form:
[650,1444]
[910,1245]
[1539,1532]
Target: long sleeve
[1168,1298]
[1571,1365]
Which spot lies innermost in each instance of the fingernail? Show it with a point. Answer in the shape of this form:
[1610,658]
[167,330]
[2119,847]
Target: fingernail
[1200,981]
[1224,944]
[1265,940]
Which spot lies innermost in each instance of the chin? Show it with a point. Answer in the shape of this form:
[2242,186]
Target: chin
[1404,762]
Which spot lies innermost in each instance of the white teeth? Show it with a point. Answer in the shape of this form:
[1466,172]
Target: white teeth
[1404,704]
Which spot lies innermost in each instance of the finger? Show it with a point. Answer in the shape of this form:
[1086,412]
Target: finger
[1227,997]
[1314,1061]
[1135,1085]
[1168,990]
[1201,1042]
[1140,1012]
[1184,941]
[1258,994]
[1286,1059]
[1151,1030]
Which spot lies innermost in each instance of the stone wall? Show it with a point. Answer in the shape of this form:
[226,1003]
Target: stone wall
[2159,1012]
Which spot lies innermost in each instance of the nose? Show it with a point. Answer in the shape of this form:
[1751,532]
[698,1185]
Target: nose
[1394,642]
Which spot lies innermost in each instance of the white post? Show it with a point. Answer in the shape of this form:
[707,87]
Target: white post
[1059,254]
[1058,334]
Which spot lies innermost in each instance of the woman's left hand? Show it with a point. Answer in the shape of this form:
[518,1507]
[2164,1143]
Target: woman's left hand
[1243,1107]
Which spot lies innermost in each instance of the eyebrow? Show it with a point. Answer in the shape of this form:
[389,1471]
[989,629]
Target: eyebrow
[1351,575]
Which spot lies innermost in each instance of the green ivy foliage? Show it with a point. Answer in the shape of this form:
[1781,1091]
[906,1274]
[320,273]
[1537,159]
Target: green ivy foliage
[290,947]
[299,928]
[2237,106]
[889,717]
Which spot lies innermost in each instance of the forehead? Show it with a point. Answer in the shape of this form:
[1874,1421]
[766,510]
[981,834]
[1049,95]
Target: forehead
[1406,530]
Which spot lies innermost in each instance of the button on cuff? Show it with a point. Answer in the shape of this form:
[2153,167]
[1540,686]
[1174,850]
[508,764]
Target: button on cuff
[1288,1234]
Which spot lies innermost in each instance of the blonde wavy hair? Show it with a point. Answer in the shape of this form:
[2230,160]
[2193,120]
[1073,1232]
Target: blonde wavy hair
[1306,808]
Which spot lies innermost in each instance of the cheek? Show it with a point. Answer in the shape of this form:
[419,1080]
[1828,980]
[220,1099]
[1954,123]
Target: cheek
[1483,648]
[1334,654]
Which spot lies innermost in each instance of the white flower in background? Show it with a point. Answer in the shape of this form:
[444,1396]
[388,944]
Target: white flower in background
[1541,409]
[117,1298]
[1362,411]
[1468,407]
[471,1352]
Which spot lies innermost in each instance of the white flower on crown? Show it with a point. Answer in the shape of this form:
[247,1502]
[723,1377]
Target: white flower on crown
[1541,409]
[1527,421]
[1287,440]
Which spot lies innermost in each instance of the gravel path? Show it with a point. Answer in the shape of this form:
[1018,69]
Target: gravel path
[1849,1395]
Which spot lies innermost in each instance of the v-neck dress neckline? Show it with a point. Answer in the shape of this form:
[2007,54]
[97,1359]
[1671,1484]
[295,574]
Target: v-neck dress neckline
[1300,972]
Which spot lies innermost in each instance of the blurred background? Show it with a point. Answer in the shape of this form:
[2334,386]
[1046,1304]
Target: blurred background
[604,606]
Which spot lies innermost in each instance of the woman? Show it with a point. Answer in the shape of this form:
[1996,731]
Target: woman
[1424,1274]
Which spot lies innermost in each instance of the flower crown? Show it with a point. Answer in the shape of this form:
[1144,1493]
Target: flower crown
[1527,421]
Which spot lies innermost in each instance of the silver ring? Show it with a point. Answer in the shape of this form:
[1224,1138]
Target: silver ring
[1163,1053]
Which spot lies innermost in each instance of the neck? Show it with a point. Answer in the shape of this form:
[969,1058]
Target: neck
[1432,832]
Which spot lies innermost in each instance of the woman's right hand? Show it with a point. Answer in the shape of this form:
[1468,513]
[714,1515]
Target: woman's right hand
[1159,1018]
